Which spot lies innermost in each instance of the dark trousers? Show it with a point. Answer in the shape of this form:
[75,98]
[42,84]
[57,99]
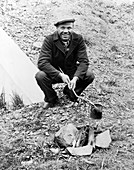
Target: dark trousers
[45,83]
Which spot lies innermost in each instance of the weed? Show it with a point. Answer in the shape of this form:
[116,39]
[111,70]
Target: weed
[2,99]
[17,101]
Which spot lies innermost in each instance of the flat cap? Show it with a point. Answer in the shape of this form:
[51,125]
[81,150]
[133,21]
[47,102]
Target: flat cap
[63,21]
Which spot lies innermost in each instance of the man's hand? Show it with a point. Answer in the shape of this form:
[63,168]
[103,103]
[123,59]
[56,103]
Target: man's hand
[65,78]
[73,83]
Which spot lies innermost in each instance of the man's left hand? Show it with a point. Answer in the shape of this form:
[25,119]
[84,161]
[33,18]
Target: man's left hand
[72,84]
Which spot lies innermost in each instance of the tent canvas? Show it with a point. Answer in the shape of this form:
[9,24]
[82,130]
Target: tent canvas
[17,72]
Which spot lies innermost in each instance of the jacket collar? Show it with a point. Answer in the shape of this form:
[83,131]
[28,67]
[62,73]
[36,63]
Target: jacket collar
[73,44]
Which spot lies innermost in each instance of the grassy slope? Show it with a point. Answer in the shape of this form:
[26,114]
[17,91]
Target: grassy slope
[108,33]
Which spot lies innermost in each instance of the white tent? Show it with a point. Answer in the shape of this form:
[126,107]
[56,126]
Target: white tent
[17,72]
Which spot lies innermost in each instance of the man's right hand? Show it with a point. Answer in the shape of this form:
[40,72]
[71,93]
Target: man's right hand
[65,78]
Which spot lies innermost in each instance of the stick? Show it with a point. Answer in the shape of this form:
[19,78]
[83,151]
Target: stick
[102,164]
[83,98]
[61,70]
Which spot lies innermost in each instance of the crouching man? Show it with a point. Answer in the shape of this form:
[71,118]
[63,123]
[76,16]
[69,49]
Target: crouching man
[63,58]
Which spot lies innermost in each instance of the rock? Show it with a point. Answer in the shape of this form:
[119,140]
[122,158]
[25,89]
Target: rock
[67,135]
[37,45]
[55,150]
[103,140]
[80,151]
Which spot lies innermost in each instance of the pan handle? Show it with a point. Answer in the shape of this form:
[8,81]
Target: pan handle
[83,98]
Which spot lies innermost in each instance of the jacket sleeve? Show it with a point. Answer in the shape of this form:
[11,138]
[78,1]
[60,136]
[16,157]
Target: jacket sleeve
[82,59]
[45,59]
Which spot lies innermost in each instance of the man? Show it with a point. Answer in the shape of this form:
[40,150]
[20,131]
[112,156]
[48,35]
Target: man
[63,58]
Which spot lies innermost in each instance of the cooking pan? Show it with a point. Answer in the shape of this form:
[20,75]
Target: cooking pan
[96,109]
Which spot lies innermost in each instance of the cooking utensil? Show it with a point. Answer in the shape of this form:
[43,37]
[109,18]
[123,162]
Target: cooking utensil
[96,109]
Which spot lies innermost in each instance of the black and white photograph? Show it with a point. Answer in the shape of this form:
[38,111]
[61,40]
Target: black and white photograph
[66,84]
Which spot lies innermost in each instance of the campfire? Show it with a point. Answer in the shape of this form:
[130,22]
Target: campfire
[80,140]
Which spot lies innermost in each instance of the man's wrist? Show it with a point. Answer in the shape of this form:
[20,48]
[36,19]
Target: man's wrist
[60,74]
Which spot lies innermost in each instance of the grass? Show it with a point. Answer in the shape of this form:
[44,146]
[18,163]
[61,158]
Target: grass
[17,101]
[2,99]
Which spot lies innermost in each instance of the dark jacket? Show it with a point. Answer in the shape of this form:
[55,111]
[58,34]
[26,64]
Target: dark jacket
[53,56]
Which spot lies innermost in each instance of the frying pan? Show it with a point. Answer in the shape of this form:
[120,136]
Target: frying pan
[96,109]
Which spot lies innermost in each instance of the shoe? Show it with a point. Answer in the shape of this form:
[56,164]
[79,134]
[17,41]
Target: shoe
[69,94]
[50,104]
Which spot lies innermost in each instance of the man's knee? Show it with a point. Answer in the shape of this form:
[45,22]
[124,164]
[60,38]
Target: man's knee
[40,75]
[90,75]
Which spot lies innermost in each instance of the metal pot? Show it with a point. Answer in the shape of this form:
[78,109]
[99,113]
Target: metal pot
[96,111]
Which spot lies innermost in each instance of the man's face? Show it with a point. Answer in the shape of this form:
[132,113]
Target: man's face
[65,30]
